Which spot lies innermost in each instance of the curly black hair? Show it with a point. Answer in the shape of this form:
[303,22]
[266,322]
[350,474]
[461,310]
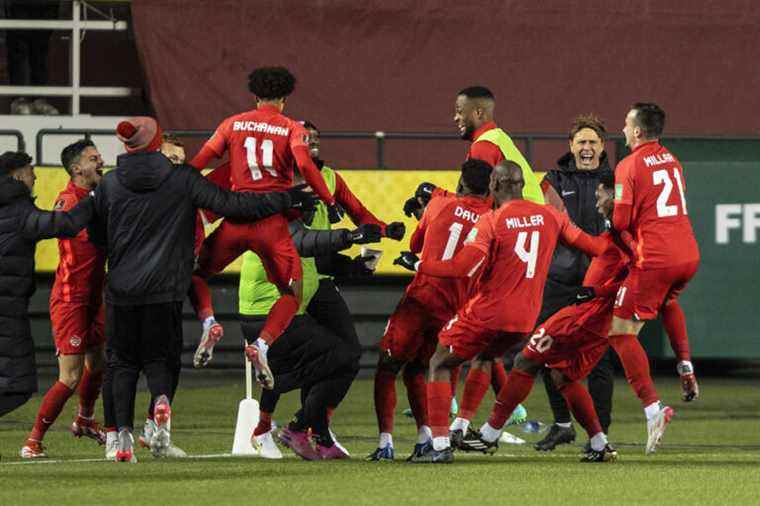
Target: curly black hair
[476,174]
[13,160]
[269,83]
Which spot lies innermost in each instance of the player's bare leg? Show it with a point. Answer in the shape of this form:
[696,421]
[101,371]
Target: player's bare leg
[385,405]
[624,339]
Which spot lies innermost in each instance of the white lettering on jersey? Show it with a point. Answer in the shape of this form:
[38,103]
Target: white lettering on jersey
[535,220]
[255,126]
[658,159]
[466,214]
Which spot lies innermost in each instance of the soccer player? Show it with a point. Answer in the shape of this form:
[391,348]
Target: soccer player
[571,342]
[263,146]
[428,303]
[512,247]
[650,204]
[76,311]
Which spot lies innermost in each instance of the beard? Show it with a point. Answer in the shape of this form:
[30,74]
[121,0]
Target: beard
[468,131]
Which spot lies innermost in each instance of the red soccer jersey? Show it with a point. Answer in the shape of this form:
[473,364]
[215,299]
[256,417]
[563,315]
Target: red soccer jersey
[518,240]
[440,234]
[485,150]
[650,202]
[81,268]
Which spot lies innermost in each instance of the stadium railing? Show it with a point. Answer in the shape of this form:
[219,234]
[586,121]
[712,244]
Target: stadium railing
[20,141]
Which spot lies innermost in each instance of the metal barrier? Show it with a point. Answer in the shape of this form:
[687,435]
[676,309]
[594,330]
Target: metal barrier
[20,142]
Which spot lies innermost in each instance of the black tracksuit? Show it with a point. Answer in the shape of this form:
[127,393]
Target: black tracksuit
[145,216]
[578,191]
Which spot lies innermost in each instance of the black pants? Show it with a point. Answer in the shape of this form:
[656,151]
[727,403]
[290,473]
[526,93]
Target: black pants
[601,381]
[9,402]
[142,338]
[329,309]
[309,357]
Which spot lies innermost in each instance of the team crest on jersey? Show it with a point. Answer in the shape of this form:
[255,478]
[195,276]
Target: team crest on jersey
[75,341]
[59,205]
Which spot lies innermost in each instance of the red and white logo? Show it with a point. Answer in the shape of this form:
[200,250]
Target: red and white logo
[75,341]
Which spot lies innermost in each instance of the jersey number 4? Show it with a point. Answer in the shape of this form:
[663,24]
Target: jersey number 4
[662,177]
[267,157]
[528,256]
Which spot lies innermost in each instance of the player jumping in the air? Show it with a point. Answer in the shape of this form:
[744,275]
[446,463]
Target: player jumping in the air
[428,303]
[76,311]
[650,203]
[263,146]
[512,247]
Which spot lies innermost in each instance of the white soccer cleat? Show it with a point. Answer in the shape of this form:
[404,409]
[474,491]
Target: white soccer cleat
[265,446]
[125,451]
[257,355]
[147,435]
[509,439]
[161,440]
[656,428]
[112,445]
[205,351]
[174,452]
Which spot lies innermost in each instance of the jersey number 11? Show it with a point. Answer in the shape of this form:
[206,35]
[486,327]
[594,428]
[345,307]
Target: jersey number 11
[267,157]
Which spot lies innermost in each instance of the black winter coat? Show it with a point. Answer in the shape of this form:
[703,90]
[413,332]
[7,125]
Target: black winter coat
[22,224]
[146,215]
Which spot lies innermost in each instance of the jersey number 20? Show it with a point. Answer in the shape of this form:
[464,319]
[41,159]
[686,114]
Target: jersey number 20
[662,177]
[267,157]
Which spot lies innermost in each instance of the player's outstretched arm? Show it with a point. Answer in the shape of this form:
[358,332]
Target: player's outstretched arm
[464,264]
[588,244]
[37,224]
[204,156]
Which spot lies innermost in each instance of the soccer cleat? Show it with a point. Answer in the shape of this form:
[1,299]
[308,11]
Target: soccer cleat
[382,455]
[689,387]
[557,435]
[125,448]
[656,428]
[265,446]
[518,416]
[331,453]
[259,361]
[337,443]
[205,351]
[148,429]
[432,456]
[419,450]
[474,442]
[510,439]
[33,449]
[299,442]
[161,440]
[112,445]
[88,428]
[456,437]
[606,454]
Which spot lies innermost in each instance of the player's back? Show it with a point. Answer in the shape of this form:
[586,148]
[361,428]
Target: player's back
[660,221]
[519,239]
[259,143]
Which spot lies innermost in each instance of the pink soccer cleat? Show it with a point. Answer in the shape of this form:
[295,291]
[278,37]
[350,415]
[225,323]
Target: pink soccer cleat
[332,452]
[88,427]
[299,442]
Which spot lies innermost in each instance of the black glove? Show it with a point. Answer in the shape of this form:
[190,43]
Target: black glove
[395,230]
[407,260]
[359,267]
[412,206]
[584,294]
[335,213]
[365,234]
[302,200]
[425,192]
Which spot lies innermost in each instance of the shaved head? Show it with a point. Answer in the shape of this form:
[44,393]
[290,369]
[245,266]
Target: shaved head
[474,106]
[507,182]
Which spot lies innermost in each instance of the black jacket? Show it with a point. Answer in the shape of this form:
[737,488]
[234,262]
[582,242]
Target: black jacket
[577,188]
[22,224]
[146,214]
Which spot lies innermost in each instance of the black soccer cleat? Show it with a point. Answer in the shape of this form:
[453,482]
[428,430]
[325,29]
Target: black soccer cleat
[606,454]
[474,442]
[381,455]
[557,436]
[432,456]
[419,450]
[456,437]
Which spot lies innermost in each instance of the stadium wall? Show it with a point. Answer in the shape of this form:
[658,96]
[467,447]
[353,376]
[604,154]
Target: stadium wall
[396,65]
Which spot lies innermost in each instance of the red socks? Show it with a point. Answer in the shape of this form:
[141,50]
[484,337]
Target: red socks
[416,392]
[200,296]
[385,399]
[498,376]
[89,390]
[514,391]
[475,388]
[279,318]
[439,404]
[265,424]
[51,407]
[674,322]
[582,406]
[636,365]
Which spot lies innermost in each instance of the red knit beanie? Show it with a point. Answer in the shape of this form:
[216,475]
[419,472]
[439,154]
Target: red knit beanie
[141,133]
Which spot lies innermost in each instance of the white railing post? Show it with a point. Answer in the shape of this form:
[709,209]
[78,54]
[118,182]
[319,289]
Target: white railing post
[76,56]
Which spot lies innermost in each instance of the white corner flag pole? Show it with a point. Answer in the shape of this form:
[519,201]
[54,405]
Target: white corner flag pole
[248,415]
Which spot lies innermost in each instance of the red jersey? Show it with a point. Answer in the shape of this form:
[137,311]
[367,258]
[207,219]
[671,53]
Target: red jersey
[81,268]
[484,150]
[445,224]
[518,240]
[650,202]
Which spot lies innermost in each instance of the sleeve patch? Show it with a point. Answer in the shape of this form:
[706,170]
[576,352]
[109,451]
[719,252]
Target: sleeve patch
[618,192]
[60,204]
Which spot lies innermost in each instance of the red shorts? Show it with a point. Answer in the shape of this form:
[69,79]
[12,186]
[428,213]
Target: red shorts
[268,238]
[644,292]
[411,332]
[467,339]
[560,343]
[77,327]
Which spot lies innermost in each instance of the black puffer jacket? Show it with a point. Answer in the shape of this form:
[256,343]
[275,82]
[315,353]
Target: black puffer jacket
[22,224]
[146,215]
[577,188]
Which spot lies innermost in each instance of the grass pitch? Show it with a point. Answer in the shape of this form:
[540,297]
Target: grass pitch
[711,455]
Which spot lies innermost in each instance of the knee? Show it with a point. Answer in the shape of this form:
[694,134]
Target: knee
[524,364]
[70,377]
[387,363]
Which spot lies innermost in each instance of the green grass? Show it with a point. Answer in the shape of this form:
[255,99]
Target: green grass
[711,455]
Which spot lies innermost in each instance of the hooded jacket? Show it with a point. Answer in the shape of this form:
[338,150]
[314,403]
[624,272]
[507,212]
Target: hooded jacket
[22,224]
[146,213]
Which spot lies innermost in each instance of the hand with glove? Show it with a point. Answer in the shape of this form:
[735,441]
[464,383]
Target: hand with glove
[301,199]
[365,234]
[359,268]
[584,294]
[412,207]
[256,353]
[335,213]
[407,260]
[395,230]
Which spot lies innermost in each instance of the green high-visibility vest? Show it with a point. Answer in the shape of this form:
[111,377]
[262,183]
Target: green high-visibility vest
[532,190]
[256,294]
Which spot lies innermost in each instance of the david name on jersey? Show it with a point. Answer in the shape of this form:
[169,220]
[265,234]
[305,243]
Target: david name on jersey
[466,214]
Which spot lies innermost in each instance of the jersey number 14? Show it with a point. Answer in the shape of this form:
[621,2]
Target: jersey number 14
[267,157]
